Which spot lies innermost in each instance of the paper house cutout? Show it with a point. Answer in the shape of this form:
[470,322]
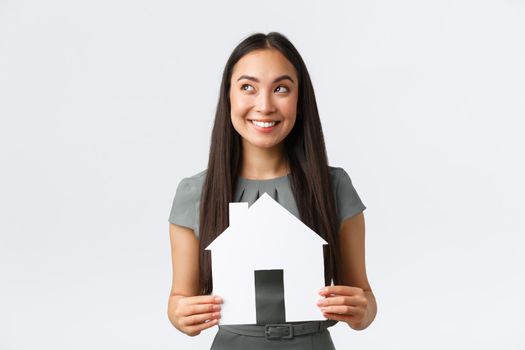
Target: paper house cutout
[264,237]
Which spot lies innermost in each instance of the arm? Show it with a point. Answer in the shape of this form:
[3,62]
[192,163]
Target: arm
[187,311]
[353,302]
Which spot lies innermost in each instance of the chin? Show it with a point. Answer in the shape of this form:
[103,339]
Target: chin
[259,144]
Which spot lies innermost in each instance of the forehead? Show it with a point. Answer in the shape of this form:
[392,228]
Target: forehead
[263,64]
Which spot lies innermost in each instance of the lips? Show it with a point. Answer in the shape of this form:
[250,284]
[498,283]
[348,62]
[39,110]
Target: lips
[264,120]
[264,125]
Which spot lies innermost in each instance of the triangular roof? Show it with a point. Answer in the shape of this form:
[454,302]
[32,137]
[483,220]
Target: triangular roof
[264,219]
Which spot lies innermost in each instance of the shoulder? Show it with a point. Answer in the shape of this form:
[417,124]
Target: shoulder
[193,181]
[341,181]
[338,175]
[347,200]
[190,187]
[334,170]
[185,207]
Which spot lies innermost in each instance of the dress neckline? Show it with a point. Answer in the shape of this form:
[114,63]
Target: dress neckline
[279,178]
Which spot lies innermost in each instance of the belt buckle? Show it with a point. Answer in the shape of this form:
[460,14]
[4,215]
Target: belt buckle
[288,328]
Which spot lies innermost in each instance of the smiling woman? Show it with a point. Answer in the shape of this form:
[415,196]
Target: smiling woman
[267,137]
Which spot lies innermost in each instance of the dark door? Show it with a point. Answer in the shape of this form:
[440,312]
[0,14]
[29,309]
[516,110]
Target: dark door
[269,296]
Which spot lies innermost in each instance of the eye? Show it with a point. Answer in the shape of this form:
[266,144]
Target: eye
[282,86]
[243,87]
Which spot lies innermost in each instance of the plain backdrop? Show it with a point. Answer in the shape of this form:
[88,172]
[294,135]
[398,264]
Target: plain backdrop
[106,105]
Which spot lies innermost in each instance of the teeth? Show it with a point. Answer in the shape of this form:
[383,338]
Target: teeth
[264,124]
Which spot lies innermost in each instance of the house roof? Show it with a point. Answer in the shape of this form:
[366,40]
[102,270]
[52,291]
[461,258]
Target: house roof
[265,220]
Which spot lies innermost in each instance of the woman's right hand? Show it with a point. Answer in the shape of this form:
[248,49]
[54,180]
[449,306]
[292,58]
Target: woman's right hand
[195,314]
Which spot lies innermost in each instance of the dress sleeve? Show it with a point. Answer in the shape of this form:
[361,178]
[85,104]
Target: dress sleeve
[183,208]
[347,200]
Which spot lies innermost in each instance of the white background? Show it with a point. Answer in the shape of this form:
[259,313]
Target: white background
[106,105]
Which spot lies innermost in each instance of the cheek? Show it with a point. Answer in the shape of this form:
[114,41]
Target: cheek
[289,109]
[238,112]
[239,105]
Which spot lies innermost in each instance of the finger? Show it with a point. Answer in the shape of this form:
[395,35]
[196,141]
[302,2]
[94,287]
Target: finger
[202,299]
[199,318]
[342,310]
[340,290]
[193,309]
[337,317]
[200,327]
[335,300]
[354,300]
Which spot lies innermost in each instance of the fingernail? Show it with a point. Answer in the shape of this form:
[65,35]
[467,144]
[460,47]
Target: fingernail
[218,299]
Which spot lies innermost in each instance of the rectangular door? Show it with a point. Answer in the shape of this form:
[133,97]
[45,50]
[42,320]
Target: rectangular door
[269,296]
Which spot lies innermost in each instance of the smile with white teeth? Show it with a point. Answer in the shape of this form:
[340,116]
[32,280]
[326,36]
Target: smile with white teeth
[264,124]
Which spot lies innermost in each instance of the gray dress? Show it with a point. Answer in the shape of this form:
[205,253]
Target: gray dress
[185,212]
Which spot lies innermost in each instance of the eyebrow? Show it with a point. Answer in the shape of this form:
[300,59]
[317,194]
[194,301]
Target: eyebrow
[282,77]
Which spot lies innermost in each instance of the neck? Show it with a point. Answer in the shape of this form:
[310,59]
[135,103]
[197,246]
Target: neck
[263,163]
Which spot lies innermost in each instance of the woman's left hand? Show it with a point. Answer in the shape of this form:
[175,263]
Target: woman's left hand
[344,303]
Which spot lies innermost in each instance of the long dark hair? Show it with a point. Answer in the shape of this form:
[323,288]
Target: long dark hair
[305,151]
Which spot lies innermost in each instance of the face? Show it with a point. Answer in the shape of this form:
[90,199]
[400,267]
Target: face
[263,96]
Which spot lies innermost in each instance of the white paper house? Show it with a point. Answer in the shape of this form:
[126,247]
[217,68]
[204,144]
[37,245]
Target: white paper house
[266,236]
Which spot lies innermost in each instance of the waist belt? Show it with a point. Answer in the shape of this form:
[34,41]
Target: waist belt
[281,330]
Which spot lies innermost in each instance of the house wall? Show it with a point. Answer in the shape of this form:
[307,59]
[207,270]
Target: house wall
[303,277]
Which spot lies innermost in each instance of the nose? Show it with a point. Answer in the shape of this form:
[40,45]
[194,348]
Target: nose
[264,103]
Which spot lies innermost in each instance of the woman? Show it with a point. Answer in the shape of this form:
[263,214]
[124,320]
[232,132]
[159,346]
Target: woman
[267,137]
